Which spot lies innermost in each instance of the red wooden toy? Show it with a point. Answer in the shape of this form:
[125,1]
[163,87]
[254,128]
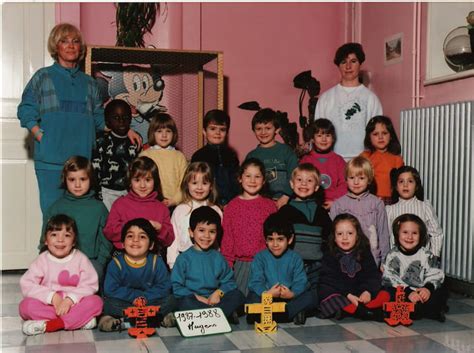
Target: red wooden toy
[399,309]
[141,312]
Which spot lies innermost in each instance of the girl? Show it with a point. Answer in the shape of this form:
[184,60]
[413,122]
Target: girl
[407,197]
[383,151]
[162,137]
[243,221]
[90,215]
[368,209]
[142,201]
[197,189]
[325,160]
[59,286]
[350,279]
[411,265]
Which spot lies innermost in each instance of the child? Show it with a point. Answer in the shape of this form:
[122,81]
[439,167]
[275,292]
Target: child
[310,220]
[142,201]
[278,158]
[197,189]
[407,197]
[162,137]
[135,273]
[326,161]
[368,209]
[201,276]
[114,152]
[222,159]
[89,214]
[59,286]
[411,265]
[350,279]
[383,151]
[243,221]
[279,271]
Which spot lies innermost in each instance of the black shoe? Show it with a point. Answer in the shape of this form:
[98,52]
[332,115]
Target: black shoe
[441,317]
[251,319]
[339,315]
[300,318]
[233,318]
[364,313]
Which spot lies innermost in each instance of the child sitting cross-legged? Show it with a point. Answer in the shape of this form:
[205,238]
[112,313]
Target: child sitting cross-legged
[201,276]
[279,271]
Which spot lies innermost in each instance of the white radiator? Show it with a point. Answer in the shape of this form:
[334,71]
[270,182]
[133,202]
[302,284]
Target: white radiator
[438,142]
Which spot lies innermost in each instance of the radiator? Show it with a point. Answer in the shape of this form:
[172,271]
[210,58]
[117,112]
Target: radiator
[438,142]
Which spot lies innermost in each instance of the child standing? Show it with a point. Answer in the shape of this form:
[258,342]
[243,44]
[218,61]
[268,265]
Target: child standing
[201,276]
[142,201]
[243,221]
[408,197]
[278,158]
[411,265]
[89,214]
[59,286]
[326,161]
[279,271]
[350,279]
[135,273]
[162,138]
[383,151]
[222,159]
[368,209]
[114,152]
[197,189]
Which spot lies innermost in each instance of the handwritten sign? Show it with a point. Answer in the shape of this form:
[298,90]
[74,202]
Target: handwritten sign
[202,322]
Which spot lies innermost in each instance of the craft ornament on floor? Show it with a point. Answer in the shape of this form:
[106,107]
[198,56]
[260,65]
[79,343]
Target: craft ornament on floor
[141,312]
[399,309]
[266,309]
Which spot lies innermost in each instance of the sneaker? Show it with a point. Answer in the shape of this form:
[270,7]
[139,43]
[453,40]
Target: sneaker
[233,318]
[300,318]
[169,320]
[34,327]
[90,325]
[108,324]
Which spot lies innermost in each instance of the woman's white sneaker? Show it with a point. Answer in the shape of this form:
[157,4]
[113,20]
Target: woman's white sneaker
[90,325]
[34,327]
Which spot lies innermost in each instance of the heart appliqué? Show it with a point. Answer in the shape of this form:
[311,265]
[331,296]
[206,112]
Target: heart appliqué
[65,279]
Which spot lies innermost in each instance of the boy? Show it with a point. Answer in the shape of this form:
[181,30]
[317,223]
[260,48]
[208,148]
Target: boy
[136,273]
[113,152]
[222,159]
[310,220]
[201,276]
[279,271]
[279,159]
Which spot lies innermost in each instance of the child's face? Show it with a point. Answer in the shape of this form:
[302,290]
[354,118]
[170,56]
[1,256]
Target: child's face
[323,141]
[345,235]
[357,183]
[199,189]
[78,183]
[409,235]
[265,133]
[119,121]
[60,242]
[349,68]
[380,137]
[136,243]
[277,243]
[215,134]
[163,137]
[204,236]
[143,185]
[406,185]
[252,180]
[304,184]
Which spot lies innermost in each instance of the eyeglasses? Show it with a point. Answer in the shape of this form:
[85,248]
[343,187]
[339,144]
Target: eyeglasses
[121,118]
[67,42]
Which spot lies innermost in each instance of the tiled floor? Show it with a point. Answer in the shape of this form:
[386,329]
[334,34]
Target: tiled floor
[348,335]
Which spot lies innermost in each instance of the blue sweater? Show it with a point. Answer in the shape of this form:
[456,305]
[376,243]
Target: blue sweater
[267,270]
[201,272]
[125,281]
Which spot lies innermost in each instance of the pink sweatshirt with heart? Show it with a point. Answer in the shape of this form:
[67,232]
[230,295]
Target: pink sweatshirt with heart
[72,276]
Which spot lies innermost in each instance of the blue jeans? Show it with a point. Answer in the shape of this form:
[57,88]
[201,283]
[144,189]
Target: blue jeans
[229,302]
[304,301]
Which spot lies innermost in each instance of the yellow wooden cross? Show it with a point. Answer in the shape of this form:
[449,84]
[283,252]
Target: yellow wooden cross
[266,309]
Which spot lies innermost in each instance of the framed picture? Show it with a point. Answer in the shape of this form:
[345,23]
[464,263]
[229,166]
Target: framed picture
[393,49]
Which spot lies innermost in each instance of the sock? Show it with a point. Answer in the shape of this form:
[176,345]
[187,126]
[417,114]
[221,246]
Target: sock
[54,325]
[378,301]
[351,308]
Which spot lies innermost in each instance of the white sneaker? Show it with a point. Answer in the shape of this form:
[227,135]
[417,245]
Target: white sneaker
[34,327]
[90,325]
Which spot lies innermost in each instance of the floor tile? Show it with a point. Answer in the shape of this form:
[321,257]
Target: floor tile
[9,310]
[345,347]
[310,322]
[468,301]
[458,307]
[371,330]
[10,293]
[432,326]
[288,349]
[410,344]
[109,336]
[8,324]
[60,348]
[204,344]
[13,349]
[460,341]
[168,331]
[148,345]
[329,333]
[463,319]
[252,340]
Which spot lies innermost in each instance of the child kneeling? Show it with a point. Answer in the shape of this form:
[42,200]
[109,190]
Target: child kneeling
[280,272]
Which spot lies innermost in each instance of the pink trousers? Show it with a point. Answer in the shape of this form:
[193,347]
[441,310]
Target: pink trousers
[79,314]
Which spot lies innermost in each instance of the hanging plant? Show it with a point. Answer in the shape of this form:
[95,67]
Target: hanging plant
[134,20]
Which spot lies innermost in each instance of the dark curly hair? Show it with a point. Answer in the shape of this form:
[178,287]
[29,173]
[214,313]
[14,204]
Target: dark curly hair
[349,48]
[396,172]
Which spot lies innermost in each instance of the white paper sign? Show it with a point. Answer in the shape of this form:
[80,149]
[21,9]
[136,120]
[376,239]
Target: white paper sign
[202,322]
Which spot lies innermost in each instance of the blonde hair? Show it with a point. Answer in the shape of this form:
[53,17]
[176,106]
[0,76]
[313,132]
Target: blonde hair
[189,175]
[360,165]
[61,31]
[307,167]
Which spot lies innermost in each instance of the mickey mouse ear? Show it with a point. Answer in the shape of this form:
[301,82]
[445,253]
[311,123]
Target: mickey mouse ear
[159,84]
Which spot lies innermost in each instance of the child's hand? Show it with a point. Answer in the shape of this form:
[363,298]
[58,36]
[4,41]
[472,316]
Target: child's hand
[414,297]
[134,137]
[353,299]
[64,307]
[156,225]
[327,204]
[214,298]
[202,299]
[282,201]
[365,297]
[286,293]
[275,291]
[424,294]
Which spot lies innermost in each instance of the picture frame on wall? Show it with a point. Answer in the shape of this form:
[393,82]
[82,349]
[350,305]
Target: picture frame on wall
[393,49]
